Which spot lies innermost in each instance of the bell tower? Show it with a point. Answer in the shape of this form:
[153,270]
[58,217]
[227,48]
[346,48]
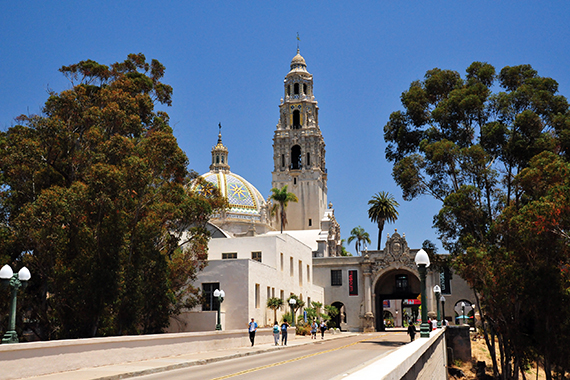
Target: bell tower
[299,150]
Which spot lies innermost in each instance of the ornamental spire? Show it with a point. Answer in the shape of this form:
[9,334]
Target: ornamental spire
[220,155]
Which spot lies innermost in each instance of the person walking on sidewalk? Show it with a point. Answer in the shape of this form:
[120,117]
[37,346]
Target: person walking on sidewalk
[314,329]
[412,332]
[276,333]
[284,326]
[323,328]
[252,329]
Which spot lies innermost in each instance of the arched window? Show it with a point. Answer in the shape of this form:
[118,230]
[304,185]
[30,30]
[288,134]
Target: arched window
[296,157]
[288,89]
[217,159]
[305,88]
[296,89]
[296,119]
[283,160]
[308,159]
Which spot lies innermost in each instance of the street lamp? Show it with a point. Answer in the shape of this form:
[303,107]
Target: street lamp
[16,281]
[220,294]
[422,261]
[437,291]
[292,303]
[442,299]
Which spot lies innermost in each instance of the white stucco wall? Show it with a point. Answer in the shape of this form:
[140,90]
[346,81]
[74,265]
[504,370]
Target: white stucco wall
[239,278]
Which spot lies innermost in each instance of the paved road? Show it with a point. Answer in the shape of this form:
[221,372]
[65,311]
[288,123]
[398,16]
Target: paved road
[324,360]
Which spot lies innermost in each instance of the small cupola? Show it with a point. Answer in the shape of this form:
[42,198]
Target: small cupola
[220,155]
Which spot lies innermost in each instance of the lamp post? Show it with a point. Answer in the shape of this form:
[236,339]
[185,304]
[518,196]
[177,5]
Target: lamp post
[16,281]
[292,303]
[442,299]
[220,294]
[463,312]
[437,291]
[422,261]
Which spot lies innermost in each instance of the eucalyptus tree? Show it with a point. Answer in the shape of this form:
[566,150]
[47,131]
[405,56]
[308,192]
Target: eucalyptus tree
[94,192]
[461,143]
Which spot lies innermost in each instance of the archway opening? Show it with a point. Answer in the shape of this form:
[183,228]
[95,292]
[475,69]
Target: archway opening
[339,320]
[396,299]
[296,157]
[296,119]
[464,313]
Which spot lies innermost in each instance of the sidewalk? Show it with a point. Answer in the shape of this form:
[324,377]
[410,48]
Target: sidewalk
[126,370]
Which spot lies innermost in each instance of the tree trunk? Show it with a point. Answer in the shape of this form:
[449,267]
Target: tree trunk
[380,229]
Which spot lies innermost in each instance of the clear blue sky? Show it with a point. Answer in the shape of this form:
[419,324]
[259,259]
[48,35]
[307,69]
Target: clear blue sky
[227,60]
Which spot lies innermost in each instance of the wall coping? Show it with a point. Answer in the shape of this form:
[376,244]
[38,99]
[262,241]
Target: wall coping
[397,364]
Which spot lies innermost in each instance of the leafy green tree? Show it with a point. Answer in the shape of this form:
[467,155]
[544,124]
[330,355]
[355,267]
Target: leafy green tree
[274,303]
[282,197]
[382,209]
[360,237]
[94,192]
[466,146]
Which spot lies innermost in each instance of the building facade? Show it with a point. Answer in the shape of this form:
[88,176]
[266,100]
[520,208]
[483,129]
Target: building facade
[252,261]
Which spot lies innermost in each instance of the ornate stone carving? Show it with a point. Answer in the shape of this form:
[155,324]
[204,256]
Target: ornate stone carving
[396,254]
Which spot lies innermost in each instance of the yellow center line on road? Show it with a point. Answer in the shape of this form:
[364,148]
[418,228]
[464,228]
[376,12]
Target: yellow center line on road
[294,360]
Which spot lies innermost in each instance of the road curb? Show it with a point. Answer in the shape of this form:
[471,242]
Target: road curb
[192,363]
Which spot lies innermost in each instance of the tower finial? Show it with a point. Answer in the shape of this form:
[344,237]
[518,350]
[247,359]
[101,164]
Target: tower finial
[220,133]
[298,39]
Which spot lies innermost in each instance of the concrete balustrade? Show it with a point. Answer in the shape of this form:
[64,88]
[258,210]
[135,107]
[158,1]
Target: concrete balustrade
[40,358]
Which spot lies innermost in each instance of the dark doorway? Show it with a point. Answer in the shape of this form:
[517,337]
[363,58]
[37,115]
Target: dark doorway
[340,317]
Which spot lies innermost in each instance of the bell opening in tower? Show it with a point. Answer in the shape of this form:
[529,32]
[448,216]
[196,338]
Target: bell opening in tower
[296,157]
[296,119]
[296,88]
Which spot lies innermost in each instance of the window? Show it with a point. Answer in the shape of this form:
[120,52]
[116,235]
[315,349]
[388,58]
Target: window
[257,295]
[308,275]
[288,89]
[296,88]
[268,292]
[282,262]
[305,88]
[282,160]
[210,303]
[272,292]
[336,277]
[401,283]
[231,255]
[291,269]
[300,273]
[282,296]
[308,159]
[256,256]
[310,222]
[295,181]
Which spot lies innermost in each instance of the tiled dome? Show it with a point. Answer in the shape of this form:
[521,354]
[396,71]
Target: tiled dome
[244,199]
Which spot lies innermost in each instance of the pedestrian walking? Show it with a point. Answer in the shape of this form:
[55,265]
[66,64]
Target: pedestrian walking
[252,329]
[412,332]
[276,333]
[284,326]
[323,328]
[314,327]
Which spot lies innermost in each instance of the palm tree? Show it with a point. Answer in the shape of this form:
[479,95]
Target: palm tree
[274,303]
[360,236]
[282,197]
[382,209]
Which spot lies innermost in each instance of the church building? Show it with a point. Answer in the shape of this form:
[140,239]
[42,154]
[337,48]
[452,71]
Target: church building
[252,261]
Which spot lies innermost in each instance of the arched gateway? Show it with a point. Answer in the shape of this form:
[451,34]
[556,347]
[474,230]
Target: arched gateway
[391,283]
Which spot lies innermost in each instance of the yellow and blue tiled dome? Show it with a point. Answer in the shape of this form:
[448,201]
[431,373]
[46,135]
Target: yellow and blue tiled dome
[244,199]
